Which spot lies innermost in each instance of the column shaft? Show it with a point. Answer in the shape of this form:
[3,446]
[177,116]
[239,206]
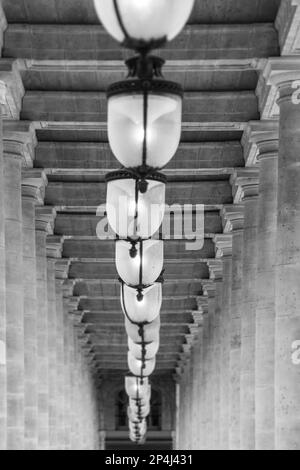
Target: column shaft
[225,356]
[30,324]
[287,336]
[248,325]
[265,310]
[235,341]
[3,372]
[14,302]
[42,337]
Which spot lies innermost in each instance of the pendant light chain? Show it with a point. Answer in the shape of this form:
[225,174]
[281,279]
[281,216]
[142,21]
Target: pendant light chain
[144,94]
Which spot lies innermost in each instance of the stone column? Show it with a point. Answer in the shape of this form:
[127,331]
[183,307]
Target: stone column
[216,275]
[67,380]
[209,290]
[52,356]
[60,365]
[233,222]
[202,371]
[287,287]
[197,409]
[32,194]
[44,226]
[14,296]
[246,192]
[224,251]
[262,144]
[3,399]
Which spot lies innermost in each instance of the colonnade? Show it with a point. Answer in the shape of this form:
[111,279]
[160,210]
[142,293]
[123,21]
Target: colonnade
[48,391]
[256,378]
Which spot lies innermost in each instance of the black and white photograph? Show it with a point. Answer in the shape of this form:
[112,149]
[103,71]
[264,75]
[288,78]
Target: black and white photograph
[149,228]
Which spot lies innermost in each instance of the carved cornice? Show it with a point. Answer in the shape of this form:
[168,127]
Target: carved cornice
[288,26]
[45,219]
[277,73]
[233,218]
[62,267]
[260,140]
[21,143]
[245,184]
[13,91]
[202,304]
[55,247]
[223,243]
[68,287]
[209,289]
[198,317]
[215,267]
[34,184]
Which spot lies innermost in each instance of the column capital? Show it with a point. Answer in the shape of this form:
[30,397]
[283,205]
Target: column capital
[223,244]
[34,184]
[198,317]
[62,267]
[20,142]
[68,288]
[12,95]
[202,304]
[72,304]
[215,267]
[245,184]
[288,26]
[45,218]
[194,330]
[233,218]
[260,139]
[209,289]
[282,73]
[55,246]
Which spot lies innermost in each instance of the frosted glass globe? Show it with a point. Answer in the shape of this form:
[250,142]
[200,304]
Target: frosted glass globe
[135,144]
[145,310]
[145,267]
[143,20]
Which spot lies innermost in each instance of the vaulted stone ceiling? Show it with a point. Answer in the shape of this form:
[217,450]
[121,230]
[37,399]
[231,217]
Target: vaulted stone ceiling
[65,61]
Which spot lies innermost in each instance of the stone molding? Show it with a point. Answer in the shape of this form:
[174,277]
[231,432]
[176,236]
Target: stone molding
[233,218]
[260,139]
[245,184]
[277,73]
[223,245]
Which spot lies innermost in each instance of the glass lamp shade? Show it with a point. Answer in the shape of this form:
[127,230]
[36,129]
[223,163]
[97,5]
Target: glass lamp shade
[150,332]
[134,417]
[139,368]
[130,212]
[145,267]
[139,428]
[136,413]
[137,23]
[144,129]
[137,388]
[151,349]
[145,310]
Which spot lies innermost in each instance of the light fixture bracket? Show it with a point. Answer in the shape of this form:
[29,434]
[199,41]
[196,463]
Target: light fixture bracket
[139,86]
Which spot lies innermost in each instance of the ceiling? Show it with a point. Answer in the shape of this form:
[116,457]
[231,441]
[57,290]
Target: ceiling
[66,61]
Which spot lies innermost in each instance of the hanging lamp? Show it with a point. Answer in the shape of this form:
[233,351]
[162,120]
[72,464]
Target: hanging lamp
[143,24]
[135,206]
[139,263]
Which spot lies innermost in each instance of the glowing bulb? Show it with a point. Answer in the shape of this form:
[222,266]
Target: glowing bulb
[136,261]
[140,135]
